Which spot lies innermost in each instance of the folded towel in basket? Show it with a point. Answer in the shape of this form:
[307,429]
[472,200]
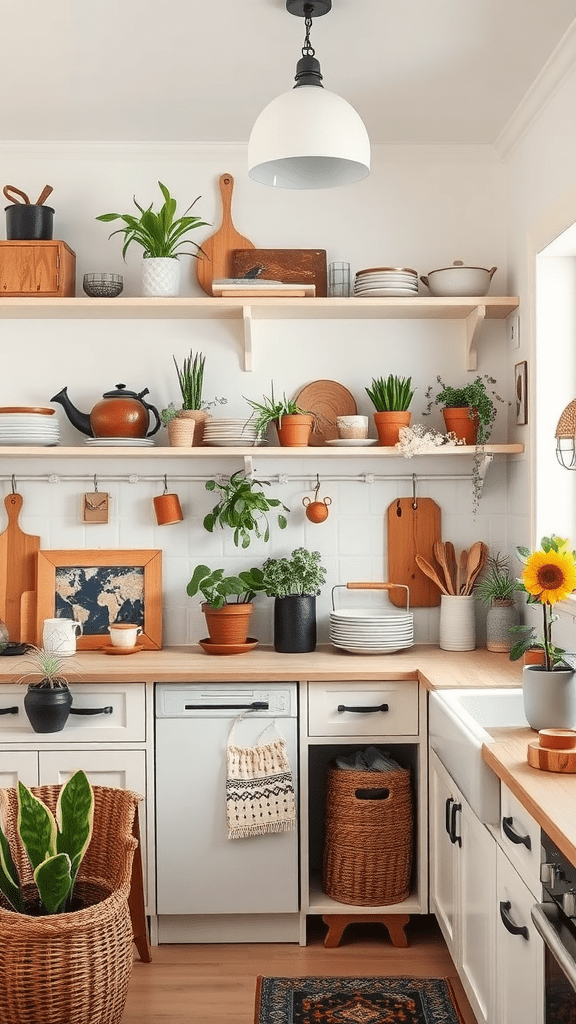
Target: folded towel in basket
[369,760]
[259,789]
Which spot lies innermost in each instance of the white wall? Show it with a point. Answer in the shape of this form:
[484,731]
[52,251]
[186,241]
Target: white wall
[421,207]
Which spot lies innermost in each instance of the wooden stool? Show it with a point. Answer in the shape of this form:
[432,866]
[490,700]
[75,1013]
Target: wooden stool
[395,924]
[136,900]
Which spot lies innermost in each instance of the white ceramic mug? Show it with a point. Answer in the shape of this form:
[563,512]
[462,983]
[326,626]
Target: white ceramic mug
[59,636]
[124,634]
[352,426]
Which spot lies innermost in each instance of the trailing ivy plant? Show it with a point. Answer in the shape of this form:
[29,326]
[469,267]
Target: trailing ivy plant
[244,508]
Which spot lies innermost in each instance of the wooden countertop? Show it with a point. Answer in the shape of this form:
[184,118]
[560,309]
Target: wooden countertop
[550,797]
[434,668]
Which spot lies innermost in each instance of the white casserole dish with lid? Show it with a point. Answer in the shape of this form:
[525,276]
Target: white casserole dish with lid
[459,280]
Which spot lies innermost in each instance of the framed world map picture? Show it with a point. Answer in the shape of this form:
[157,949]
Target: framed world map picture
[97,588]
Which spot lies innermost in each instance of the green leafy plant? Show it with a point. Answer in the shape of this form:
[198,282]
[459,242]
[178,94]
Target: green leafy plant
[216,588]
[55,845]
[168,414]
[496,583]
[391,394]
[475,395]
[271,410]
[191,379]
[160,234]
[243,507]
[303,573]
[49,666]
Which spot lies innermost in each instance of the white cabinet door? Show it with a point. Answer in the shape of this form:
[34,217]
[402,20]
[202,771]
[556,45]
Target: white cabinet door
[124,769]
[442,852]
[519,951]
[18,764]
[477,886]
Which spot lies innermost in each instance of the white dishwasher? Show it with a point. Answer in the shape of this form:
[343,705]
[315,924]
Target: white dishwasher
[211,888]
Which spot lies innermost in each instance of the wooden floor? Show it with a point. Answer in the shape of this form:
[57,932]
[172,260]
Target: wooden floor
[216,983]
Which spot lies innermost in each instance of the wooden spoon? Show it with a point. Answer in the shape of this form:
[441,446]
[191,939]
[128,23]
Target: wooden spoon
[452,564]
[478,570]
[44,195]
[440,556]
[462,562]
[430,572]
[473,564]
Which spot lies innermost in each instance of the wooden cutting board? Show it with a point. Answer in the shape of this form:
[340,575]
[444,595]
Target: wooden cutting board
[18,551]
[217,259]
[411,532]
[291,266]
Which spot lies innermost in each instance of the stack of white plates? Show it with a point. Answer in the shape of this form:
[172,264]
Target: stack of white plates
[365,631]
[120,442]
[27,426]
[386,281]
[228,431]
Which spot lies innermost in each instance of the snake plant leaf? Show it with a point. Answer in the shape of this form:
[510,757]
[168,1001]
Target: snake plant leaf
[9,875]
[36,826]
[75,819]
[54,882]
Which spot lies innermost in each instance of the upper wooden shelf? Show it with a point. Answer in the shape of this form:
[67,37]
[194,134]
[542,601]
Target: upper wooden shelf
[260,451]
[471,310]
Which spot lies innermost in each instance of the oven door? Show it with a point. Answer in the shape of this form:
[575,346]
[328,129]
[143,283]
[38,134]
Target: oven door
[560,973]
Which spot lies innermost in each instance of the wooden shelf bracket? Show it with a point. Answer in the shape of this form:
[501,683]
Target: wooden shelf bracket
[247,322]
[473,322]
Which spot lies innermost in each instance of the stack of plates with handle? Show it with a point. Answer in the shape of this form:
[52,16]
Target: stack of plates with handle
[227,431]
[28,425]
[386,281]
[372,630]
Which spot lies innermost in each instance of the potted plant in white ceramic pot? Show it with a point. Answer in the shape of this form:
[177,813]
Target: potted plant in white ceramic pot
[163,238]
[549,690]
[391,397]
[294,583]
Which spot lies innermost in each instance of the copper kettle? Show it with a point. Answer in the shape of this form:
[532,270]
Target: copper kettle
[119,413]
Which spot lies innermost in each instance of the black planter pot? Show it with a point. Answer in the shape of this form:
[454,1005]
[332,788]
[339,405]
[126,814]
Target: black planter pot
[295,624]
[47,708]
[26,221]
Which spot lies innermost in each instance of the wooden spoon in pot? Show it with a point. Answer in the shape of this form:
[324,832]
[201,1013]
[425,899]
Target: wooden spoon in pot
[473,565]
[430,572]
[452,564]
[44,195]
[440,556]
[461,569]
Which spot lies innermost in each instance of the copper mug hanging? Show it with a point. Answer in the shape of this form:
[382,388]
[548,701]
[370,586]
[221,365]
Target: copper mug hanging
[316,511]
[167,507]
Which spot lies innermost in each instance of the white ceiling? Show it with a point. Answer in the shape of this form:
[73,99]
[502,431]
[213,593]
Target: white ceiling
[418,71]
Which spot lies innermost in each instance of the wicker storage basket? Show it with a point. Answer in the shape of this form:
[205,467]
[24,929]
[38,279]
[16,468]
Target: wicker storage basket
[72,968]
[367,836]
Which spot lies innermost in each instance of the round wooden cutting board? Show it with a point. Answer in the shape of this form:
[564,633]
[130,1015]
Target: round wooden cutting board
[326,399]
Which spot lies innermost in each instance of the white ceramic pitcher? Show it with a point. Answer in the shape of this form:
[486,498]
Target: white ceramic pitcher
[59,636]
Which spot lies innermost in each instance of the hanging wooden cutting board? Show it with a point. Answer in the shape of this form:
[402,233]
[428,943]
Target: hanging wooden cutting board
[18,551]
[217,259]
[412,531]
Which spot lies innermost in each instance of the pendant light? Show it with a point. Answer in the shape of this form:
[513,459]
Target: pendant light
[308,137]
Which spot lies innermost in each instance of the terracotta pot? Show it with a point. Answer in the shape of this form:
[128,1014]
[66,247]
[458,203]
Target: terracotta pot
[199,416]
[463,422]
[295,430]
[388,426]
[229,624]
[534,656]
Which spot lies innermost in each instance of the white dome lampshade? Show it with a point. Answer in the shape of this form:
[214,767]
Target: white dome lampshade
[308,138]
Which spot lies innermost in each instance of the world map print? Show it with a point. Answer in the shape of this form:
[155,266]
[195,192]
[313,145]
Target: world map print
[98,595]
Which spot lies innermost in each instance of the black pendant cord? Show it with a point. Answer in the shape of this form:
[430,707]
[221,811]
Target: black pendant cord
[307,49]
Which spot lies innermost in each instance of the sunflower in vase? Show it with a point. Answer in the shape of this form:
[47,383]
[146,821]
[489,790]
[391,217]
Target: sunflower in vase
[549,576]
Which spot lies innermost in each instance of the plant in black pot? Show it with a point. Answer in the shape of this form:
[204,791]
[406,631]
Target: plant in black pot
[294,583]
[48,699]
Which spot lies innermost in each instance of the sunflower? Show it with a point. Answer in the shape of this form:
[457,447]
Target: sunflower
[550,575]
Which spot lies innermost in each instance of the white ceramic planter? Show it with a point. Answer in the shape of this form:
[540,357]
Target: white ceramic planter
[161,277]
[549,697]
[457,622]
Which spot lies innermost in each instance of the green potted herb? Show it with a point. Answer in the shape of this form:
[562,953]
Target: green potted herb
[391,397]
[496,587]
[162,237]
[294,584]
[243,507]
[469,410]
[227,603]
[293,424]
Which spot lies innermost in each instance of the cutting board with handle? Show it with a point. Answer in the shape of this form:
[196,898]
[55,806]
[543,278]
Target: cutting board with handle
[412,531]
[217,259]
[18,552]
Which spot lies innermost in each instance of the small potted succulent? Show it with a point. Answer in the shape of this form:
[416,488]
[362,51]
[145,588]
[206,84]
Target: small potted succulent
[227,602]
[293,424]
[391,397]
[294,584]
[163,238]
[496,587]
[48,699]
[243,508]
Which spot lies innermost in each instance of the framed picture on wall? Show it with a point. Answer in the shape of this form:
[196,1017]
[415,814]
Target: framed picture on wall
[521,392]
[97,588]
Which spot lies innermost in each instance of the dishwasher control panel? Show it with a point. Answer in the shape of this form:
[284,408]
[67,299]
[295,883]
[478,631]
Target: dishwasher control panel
[225,700]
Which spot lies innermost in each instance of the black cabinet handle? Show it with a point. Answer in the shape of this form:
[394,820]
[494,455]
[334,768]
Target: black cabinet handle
[449,803]
[514,929]
[362,711]
[452,831]
[9,711]
[513,836]
[92,711]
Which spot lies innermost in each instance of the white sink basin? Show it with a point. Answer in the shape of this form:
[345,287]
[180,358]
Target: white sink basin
[457,723]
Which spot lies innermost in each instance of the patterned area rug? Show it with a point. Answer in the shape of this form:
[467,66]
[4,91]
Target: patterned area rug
[355,1001]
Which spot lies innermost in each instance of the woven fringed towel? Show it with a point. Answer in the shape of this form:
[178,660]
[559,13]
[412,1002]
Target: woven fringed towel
[259,789]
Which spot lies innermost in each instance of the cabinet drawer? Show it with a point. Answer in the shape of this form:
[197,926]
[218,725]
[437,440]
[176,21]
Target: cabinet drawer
[126,722]
[363,709]
[37,268]
[520,839]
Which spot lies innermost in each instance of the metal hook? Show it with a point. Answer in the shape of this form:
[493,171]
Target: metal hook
[95,484]
[317,488]
[414,482]
[13,484]
[165,484]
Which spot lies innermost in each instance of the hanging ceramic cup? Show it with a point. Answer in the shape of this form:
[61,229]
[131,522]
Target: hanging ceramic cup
[168,509]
